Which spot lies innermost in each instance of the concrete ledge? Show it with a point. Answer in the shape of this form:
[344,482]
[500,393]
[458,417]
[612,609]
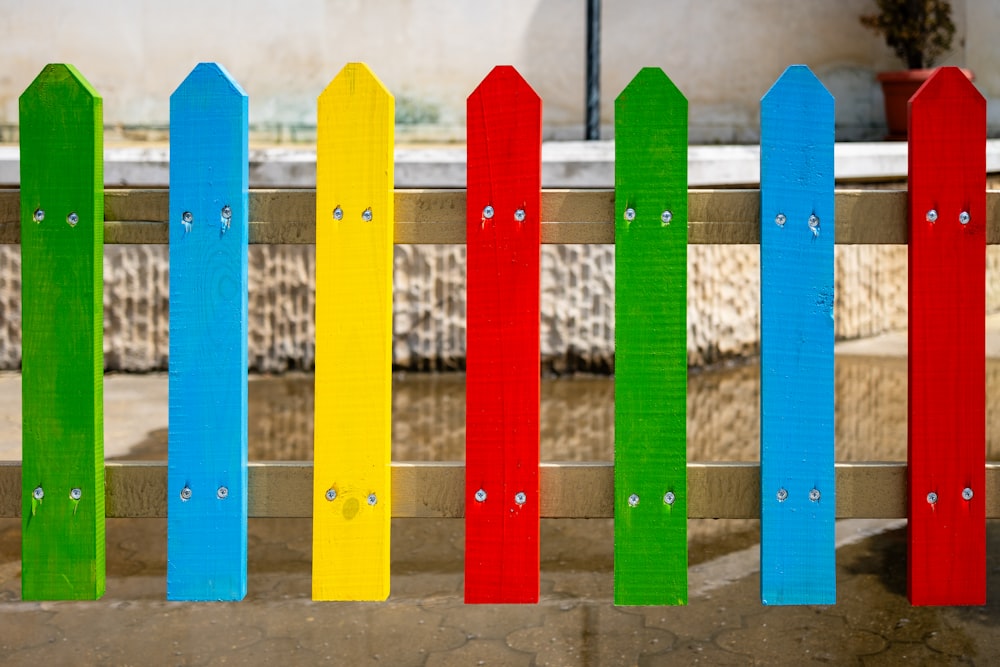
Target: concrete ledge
[565,164]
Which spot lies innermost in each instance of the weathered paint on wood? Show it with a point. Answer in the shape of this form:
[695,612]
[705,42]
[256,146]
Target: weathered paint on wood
[354,223]
[207,485]
[62,239]
[503,356]
[651,215]
[947,346]
[796,338]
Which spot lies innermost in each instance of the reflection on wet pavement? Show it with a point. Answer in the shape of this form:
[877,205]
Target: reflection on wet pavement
[577,415]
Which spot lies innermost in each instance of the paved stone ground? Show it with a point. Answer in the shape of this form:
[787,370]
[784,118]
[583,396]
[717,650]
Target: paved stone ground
[425,622]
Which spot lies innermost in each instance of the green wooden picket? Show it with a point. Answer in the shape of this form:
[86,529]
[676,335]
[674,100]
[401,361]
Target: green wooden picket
[62,241]
[651,342]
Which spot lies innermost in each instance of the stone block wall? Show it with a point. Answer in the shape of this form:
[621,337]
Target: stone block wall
[577,308]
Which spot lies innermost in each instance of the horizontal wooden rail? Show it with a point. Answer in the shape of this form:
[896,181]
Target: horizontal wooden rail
[568,216]
[569,490]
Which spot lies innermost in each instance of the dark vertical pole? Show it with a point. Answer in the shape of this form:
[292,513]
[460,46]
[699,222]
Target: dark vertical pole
[593,93]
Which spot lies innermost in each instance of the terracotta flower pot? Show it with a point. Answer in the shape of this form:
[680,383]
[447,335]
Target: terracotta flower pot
[897,88]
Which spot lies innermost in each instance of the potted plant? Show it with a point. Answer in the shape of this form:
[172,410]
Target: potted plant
[919,31]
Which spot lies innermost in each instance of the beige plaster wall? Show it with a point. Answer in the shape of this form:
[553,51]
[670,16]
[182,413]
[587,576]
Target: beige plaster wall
[724,54]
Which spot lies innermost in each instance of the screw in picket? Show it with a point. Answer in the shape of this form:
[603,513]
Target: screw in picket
[331,494]
[967,493]
[520,497]
[366,215]
[488,212]
[39,215]
[226,216]
[780,219]
[932,498]
[38,493]
[814,495]
[814,224]
[669,498]
[338,213]
[520,215]
[372,499]
[222,493]
[186,493]
[963,217]
[480,495]
[666,217]
[629,214]
[782,495]
[932,215]
[187,219]
[75,493]
[633,500]
[72,219]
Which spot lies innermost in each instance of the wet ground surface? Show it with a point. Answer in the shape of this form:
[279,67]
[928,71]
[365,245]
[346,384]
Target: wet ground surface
[425,622]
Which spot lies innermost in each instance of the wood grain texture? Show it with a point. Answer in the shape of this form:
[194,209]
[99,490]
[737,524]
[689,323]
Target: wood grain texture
[353,410]
[503,340]
[62,350]
[568,216]
[207,486]
[651,213]
[569,490]
[796,342]
[947,345]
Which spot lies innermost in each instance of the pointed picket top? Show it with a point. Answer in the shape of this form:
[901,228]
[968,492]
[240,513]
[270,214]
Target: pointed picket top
[651,142]
[507,81]
[948,83]
[797,385]
[947,379]
[210,76]
[62,239]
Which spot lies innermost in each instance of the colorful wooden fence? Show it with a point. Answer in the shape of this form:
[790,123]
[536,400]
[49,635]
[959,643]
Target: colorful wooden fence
[208,490]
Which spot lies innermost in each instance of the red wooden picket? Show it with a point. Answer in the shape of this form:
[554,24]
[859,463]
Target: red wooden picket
[947,346]
[502,356]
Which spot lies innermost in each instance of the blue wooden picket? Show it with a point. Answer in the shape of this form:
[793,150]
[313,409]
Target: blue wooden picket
[207,470]
[796,339]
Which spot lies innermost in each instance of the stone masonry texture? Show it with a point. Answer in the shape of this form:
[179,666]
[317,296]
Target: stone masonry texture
[577,304]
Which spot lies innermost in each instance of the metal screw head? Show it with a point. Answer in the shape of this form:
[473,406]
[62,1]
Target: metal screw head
[967,493]
[666,217]
[331,494]
[932,216]
[780,219]
[222,493]
[227,212]
[72,219]
[814,224]
[480,495]
[963,217]
[633,500]
[629,214]
[372,499]
[366,215]
[488,212]
[782,495]
[75,494]
[931,497]
[338,213]
[38,493]
[520,498]
[814,495]
[669,497]
[39,215]
[186,493]
[519,215]
[187,217]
